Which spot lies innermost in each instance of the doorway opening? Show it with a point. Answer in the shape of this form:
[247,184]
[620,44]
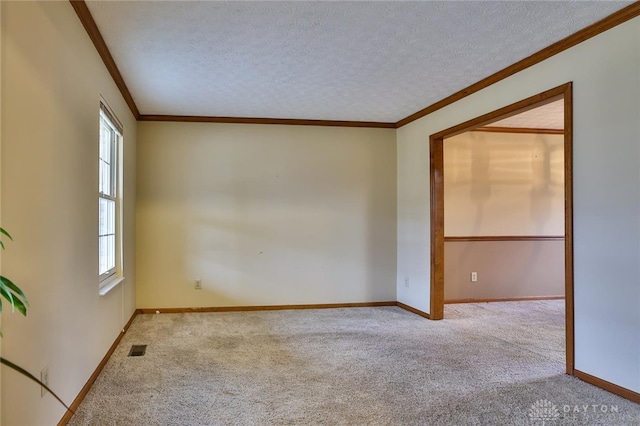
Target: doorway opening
[563,92]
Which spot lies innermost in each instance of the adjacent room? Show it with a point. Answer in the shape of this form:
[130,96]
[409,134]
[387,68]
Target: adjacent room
[228,213]
[504,208]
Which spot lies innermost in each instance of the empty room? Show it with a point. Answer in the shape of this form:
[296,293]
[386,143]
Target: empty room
[221,213]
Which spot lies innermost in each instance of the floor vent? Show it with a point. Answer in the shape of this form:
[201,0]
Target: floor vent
[137,350]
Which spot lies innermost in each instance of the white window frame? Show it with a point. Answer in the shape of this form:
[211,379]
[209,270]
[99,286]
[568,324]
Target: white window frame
[112,193]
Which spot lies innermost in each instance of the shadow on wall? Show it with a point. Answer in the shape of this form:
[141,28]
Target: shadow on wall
[504,184]
[548,180]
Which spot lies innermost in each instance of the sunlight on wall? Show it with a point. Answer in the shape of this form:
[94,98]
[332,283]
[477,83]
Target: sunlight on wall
[504,184]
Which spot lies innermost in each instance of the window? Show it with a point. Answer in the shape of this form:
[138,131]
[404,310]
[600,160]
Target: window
[108,195]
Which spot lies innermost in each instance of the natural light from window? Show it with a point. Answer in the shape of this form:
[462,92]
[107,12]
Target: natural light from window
[108,195]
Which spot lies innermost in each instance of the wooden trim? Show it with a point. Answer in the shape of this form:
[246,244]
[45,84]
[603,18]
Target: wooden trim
[611,21]
[568,227]
[528,130]
[503,299]
[413,310]
[85,389]
[94,34]
[532,102]
[593,30]
[262,308]
[437,201]
[91,27]
[436,305]
[251,120]
[608,386]
[505,238]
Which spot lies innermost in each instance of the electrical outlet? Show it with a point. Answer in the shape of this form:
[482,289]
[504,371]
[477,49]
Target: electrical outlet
[198,285]
[406,282]
[44,378]
[474,277]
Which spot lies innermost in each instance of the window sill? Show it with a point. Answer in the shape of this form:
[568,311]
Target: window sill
[109,285]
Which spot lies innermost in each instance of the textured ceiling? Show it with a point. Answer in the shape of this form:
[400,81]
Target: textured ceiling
[363,61]
[549,116]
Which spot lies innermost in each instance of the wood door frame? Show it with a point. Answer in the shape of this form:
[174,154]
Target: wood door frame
[436,145]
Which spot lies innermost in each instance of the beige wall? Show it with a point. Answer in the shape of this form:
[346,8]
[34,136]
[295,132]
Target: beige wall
[605,71]
[506,269]
[503,184]
[265,214]
[52,79]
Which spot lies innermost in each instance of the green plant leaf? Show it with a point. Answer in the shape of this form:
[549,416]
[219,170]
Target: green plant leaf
[14,299]
[14,288]
[4,292]
[2,245]
[32,377]
[4,231]
[20,306]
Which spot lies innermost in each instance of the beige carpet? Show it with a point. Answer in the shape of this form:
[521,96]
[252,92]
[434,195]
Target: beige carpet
[486,364]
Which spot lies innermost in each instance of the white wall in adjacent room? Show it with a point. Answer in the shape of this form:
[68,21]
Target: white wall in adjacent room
[503,184]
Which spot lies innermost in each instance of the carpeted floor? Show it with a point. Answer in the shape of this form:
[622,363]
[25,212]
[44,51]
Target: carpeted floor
[485,364]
